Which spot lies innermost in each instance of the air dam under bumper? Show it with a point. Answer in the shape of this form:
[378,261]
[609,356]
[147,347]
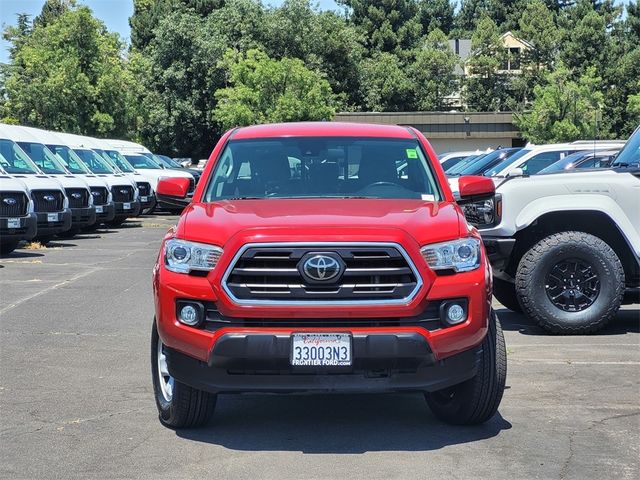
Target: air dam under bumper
[107,214]
[386,362]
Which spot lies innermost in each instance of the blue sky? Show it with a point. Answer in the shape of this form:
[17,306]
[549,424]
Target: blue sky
[114,13]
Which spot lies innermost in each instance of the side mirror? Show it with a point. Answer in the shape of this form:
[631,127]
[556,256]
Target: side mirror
[173,191]
[475,188]
[516,172]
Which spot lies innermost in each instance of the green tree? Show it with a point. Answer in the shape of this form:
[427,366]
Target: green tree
[68,75]
[385,85]
[585,45]
[264,90]
[563,109]
[432,72]
[537,26]
[436,14]
[485,86]
[473,11]
[52,10]
[390,26]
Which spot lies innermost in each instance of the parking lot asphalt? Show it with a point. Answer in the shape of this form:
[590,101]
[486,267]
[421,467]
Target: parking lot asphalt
[76,398]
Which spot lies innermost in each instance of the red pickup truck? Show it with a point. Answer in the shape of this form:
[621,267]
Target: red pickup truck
[324,257]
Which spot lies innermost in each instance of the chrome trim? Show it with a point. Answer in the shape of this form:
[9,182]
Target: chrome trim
[400,301]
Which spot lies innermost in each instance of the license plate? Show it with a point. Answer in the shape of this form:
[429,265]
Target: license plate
[99,209]
[126,206]
[52,217]
[321,349]
[143,199]
[13,223]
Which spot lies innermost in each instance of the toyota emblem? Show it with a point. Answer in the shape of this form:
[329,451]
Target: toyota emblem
[321,267]
[9,201]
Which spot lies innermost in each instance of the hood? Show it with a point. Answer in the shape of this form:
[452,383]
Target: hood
[152,175]
[39,182]
[8,183]
[94,181]
[71,181]
[335,219]
[116,180]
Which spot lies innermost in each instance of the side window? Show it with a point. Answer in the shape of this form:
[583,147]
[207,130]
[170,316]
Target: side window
[590,163]
[540,161]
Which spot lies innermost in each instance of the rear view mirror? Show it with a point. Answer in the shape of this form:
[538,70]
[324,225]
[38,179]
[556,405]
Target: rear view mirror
[516,172]
[475,188]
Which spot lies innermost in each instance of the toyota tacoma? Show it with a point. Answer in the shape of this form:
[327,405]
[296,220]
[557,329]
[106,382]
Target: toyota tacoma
[324,257]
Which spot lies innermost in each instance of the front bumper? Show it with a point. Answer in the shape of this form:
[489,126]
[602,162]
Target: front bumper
[54,222]
[126,210]
[147,202]
[499,253]
[105,213]
[82,217]
[381,363]
[26,230]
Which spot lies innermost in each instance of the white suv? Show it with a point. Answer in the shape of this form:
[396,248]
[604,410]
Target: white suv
[565,247]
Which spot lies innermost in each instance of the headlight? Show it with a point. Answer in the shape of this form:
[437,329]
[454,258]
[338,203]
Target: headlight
[181,256]
[485,213]
[460,255]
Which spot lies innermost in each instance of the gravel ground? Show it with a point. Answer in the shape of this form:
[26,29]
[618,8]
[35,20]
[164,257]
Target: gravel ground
[76,398]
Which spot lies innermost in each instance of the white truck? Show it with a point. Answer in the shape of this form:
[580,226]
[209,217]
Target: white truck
[565,247]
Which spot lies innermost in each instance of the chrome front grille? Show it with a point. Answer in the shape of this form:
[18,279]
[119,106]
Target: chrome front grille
[47,200]
[78,197]
[272,273]
[13,204]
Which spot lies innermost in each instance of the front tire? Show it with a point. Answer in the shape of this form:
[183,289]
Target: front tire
[505,293]
[570,283]
[476,400]
[179,405]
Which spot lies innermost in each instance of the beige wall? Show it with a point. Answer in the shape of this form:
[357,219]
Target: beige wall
[443,145]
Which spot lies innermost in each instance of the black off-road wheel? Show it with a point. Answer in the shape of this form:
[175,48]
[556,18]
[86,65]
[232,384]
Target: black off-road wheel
[570,283]
[476,400]
[505,293]
[179,405]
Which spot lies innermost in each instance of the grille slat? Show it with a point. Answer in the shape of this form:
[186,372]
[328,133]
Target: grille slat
[78,197]
[10,209]
[122,193]
[375,273]
[47,200]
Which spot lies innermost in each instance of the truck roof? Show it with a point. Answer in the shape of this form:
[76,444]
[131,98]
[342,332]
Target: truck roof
[322,129]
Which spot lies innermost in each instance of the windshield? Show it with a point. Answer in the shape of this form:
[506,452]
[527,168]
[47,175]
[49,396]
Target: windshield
[14,160]
[565,163]
[94,161]
[122,163]
[506,162]
[315,167]
[143,162]
[460,166]
[452,161]
[70,159]
[43,158]
[630,153]
[479,165]
[168,162]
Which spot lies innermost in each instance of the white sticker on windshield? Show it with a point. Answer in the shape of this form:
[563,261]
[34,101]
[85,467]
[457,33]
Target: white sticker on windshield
[428,198]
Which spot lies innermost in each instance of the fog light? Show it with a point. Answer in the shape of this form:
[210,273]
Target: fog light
[190,313]
[453,312]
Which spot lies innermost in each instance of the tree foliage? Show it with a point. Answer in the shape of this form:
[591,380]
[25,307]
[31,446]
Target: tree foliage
[564,109]
[265,90]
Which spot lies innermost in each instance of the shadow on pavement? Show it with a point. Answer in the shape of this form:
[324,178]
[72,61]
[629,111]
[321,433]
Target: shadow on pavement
[342,424]
[627,321]
[22,254]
